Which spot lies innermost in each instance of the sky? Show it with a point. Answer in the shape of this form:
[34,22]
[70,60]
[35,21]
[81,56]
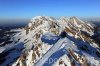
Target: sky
[11,9]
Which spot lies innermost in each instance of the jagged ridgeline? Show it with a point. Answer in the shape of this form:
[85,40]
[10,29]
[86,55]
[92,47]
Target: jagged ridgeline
[47,41]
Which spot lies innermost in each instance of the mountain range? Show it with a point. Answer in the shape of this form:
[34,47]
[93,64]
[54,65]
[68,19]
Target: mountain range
[47,41]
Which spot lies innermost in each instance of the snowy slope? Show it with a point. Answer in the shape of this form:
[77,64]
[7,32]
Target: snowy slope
[50,52]
[40,43]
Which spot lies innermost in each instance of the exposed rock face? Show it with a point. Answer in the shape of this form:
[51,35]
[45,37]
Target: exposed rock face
[78,36]
[51,24]
[78,28]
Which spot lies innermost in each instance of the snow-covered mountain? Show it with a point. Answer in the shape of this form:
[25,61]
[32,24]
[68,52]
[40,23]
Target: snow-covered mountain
[47,41]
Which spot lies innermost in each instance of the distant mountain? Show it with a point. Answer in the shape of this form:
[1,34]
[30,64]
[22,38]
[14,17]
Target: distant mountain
[47,41]
[91,19]
[13,22]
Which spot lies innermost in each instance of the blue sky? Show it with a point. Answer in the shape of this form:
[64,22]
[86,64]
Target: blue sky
[57,8]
